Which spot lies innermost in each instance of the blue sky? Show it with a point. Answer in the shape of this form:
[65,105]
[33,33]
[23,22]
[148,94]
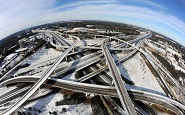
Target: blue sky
[163,16]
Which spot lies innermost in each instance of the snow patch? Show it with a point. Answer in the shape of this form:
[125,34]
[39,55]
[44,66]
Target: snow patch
[141,74]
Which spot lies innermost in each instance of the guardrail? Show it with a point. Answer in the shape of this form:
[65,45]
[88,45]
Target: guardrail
[118,81]
[39,82]
[135,92]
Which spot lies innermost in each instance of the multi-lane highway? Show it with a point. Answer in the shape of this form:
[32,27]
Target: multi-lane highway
[131,41]
[96,48]
[13,94]
[120,90]
[95,72]
[135,93]
[118,81]
[157,64]
[40,81]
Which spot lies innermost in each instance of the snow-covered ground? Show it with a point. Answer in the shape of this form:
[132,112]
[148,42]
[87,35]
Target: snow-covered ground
[156,48]
[169,56]
[47,104]
[42,57]
[134,69]
[140,74]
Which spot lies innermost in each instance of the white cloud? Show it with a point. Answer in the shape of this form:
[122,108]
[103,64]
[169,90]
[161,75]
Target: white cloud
[86,2]
[15,15]
[150,3]
[19,14]
[124,11]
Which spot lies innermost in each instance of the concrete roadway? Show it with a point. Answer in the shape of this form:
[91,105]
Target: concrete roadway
[40,81]
[157,64]
[135,92]
[118,81]
[60,39]
[67,44]
[132,41]
[88,76]
[99,48]
[77,64]
[12,94]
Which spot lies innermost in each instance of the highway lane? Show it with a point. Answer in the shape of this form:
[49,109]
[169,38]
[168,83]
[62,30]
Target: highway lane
[57,46]
[83,58]
[164,70]
[102,76]
[135,92]
[169,91]
[44,63]
[96,72]
[11,95]
[115,104]
[60,39]
[75,66]
[152,64]
[157,64]
[99,48]
[63,68]
[131,41]
[9,72]
[118,81]
[58,36]
[78,61]
[40,81]
[144,109]
[68,44]
[9,92]
[90,75]
[163,81]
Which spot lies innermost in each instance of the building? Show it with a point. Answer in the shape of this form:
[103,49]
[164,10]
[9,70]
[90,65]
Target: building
[81,29]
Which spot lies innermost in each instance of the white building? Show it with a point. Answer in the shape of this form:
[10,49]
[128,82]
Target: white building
[81,29]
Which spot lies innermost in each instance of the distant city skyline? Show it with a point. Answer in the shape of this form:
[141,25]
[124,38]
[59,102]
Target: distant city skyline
[164,16]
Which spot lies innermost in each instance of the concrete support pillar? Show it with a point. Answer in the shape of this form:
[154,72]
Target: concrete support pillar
[73,50]
[94,39]
[112,82]
[106,63]
[40,90]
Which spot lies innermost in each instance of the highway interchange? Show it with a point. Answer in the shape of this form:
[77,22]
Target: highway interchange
[118,89]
